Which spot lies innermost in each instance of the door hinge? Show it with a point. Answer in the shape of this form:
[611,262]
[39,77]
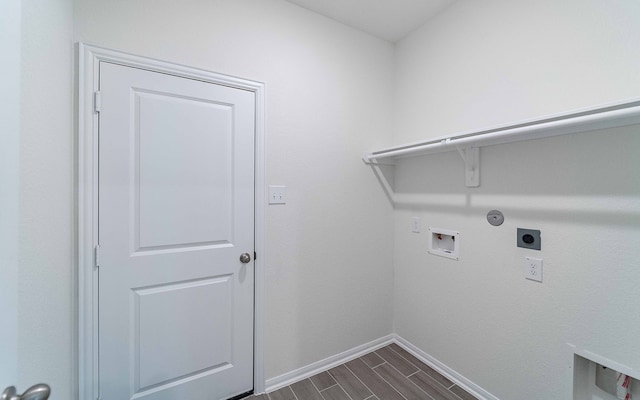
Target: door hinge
[97,101]
[97,255]
[255,255]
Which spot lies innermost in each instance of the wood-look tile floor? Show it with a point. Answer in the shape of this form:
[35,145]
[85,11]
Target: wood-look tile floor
[390,373]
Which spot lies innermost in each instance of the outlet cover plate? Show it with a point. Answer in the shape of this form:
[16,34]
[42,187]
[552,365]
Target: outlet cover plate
[533,269]
[415,224]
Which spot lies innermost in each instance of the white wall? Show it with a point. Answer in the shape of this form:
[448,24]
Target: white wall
[46,289]
[487,63]
[9,186]
[492,62]
[329,275]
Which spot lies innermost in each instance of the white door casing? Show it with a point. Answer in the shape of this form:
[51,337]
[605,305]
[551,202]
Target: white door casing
[10,15]
[173,215]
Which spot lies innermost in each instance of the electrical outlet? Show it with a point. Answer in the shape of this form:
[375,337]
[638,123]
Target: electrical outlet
[533,269]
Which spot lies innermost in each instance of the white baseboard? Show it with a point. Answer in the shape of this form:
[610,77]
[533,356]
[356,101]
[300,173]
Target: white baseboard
[348,355]
[439,366]
[328,363]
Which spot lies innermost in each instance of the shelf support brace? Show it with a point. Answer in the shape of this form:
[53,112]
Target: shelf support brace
[471,158]
[366,159]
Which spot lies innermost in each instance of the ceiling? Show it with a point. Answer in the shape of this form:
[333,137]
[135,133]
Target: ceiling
[387,19]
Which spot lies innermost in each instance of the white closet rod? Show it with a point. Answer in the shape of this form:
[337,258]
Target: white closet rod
[619,114]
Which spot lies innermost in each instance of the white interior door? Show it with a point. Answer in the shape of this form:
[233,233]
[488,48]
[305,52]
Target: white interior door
[176,211]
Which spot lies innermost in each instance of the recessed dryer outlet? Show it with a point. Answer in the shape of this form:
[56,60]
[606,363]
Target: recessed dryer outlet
[529,239]
[444,243]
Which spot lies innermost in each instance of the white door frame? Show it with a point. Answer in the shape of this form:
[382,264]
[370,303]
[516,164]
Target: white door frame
[10,38]
[89,58]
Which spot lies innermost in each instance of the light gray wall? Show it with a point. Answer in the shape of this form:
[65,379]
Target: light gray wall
[493,62]
[330,89]
[324,106]
[487,63]
[46,288]
[329,276]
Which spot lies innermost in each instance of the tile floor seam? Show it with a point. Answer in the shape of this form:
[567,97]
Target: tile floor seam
[340,386]
[463,391]
[413,373]
[328,387]
[314,385]
[420,369]
[403,358]
[356,376]
[389,383]
[345,392]
[448,388]
[294,393]
[455,395]
[393,387]
[397,370]
[435,381]
[321,395]
[409,361]
[326,371]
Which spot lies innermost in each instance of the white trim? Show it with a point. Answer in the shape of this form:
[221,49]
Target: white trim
[87,227]
[443,369]
[328,363]
[89,58]
[10,77]
[260,241]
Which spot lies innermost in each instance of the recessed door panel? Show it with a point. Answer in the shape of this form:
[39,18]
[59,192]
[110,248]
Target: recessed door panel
[176,211]
[184,170]
[172,344]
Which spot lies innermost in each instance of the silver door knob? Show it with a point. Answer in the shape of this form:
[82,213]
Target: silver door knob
[9,393]
[40,391]
[245,258]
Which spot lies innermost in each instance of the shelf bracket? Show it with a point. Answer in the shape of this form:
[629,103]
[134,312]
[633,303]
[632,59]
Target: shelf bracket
[471,158]
[367,160]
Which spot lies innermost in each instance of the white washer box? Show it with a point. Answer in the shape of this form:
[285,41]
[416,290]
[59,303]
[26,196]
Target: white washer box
[594,378]
[444,243]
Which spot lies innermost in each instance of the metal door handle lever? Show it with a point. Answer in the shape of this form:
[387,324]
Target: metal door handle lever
[40,391]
